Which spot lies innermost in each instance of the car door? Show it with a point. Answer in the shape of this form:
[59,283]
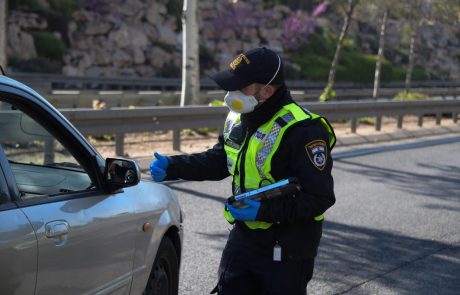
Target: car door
[18,244]
[85,236]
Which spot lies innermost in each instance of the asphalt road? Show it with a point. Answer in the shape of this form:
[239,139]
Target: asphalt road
[395,228]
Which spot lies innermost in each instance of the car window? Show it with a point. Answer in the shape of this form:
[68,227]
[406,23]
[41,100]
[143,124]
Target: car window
[41,165]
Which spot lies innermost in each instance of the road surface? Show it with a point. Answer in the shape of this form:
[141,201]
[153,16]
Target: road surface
[395,228]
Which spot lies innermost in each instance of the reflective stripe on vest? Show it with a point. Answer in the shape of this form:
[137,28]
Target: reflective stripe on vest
[261,148]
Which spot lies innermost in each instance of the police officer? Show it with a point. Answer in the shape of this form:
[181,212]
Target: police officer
[267,137]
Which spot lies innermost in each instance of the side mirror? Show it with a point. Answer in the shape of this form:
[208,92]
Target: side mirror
[121,173]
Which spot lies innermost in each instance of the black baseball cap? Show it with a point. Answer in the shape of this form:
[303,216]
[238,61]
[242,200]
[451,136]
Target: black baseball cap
[259,65]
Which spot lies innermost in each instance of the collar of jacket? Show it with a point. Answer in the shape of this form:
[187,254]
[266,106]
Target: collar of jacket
[267,110]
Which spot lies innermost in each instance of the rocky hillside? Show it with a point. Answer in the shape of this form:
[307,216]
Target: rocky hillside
[143,37]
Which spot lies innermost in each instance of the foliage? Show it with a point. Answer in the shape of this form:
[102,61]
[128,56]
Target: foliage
[216,103]
[49,46]
[206,58]
[315,58]
[30,4]
[59,7]
[174,8]
[169,70]
[418,74]
[361,68]
[63,7]
[328,93]
[99,6]
[411,96]
[35,65]
[298,26]
[366,120]
[313,67]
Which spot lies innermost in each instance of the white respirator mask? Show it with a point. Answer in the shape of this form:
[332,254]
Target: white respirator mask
[241,103]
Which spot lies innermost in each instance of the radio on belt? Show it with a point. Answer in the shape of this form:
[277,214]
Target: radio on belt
[284,187]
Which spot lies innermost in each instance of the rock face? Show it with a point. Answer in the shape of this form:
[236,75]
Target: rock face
[141,37]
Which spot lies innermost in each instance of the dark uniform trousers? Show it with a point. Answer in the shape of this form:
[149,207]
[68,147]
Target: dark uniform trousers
[246,271]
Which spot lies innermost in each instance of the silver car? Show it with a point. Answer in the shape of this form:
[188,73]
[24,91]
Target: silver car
[72,222]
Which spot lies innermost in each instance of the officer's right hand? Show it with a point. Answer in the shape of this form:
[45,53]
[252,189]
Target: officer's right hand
[158,167]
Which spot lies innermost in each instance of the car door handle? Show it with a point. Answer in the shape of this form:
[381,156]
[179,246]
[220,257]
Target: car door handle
[55,229]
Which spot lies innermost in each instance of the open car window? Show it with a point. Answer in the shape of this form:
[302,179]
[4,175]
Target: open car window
[41,165]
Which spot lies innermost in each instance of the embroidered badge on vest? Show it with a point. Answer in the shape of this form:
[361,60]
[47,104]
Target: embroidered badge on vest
[317,153]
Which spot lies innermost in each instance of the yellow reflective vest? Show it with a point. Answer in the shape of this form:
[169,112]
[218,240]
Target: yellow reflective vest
[259,149]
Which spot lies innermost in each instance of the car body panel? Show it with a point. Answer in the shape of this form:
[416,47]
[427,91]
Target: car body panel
[98,247]
[147,244]
[86,242]
[18,253]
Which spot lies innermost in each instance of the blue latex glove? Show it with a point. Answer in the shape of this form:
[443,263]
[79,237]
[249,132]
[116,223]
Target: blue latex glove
[158,167]
[247,213]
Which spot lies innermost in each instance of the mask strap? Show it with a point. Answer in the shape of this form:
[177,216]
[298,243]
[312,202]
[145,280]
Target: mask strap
[279,65]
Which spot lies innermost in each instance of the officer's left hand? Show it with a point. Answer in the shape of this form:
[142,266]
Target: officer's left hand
[247,213]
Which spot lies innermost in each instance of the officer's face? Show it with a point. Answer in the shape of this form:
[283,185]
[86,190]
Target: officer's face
[259,91]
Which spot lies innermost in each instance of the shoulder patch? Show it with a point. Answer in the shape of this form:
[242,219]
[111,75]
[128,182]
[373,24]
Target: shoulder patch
[317,153]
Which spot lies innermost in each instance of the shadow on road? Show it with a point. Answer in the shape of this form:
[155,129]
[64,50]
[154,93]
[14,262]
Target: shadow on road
[350,256]
[444,183]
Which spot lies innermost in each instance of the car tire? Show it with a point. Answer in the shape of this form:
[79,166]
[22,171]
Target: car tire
[164,277]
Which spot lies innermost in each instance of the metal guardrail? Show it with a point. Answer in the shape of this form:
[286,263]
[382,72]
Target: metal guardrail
[48,82]
[120,98]
[120,121]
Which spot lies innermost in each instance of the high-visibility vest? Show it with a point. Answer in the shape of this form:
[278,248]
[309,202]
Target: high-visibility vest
[259,150]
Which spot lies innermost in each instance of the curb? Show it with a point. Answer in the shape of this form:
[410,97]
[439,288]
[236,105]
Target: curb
[394,136]
[359,140]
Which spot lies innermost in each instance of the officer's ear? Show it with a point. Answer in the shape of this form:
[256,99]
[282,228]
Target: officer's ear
[268,91]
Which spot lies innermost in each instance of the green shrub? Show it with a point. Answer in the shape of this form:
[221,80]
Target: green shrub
[398,73]
[216,103]
[35,65]
[174,8]
[366,120]
[327,94]
[418,74]
[49,46]
[169,70]
[411,96]
[31,4]
[63,7]
[315,60]
[359,67]
[313,67]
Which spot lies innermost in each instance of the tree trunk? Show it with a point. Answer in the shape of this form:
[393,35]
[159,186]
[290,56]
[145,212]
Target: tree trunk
[410,66]
[3,33]
[378,64]
[190,57]
[335,61]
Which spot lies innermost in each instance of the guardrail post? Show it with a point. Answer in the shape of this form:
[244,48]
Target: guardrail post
[354,124]
[420,120]
[378,123]
[176,140]
[438,118]
[400,121]
[49,150]
[119,144]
